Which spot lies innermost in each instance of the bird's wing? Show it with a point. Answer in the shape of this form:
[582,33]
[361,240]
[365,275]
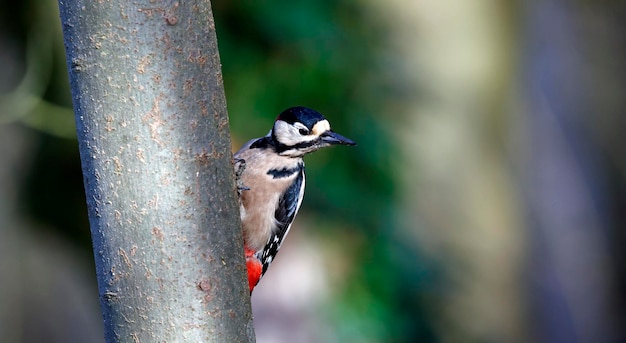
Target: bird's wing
[288,207]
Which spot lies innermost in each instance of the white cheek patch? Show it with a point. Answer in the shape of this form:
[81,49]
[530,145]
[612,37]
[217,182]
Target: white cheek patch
[288,134]
[320,127]
[285,133]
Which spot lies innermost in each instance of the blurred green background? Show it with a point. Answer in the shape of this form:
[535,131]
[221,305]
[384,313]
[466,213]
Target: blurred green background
[484,203]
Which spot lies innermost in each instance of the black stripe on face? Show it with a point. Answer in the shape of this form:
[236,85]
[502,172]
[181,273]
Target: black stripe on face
[303,146]
[284,172]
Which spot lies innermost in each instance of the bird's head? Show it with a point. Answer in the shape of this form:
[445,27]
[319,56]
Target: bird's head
[300,130]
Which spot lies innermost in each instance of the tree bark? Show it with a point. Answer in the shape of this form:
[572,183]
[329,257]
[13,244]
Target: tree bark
[155,149]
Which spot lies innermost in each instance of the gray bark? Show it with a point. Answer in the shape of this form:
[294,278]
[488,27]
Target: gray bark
[155,149]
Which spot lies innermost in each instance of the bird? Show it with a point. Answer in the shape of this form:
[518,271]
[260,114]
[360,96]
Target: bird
[271,180]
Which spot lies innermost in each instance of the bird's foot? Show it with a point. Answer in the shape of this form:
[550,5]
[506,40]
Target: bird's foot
[240,166]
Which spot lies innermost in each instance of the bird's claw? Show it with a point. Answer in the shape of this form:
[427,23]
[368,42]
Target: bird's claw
[240,166]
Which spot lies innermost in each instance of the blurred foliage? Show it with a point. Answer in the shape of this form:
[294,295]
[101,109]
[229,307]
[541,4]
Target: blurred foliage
[326,55]
[37,96]
[321,54]
[447,213]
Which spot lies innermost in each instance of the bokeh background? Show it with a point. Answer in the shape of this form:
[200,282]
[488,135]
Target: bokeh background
[485,202]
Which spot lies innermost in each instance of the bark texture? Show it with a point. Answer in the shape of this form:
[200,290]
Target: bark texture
[155,149]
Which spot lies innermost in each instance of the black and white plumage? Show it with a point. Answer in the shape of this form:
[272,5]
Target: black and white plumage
[274,179]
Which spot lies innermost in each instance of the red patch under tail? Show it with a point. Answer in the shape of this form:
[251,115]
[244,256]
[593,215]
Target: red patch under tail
[255,268]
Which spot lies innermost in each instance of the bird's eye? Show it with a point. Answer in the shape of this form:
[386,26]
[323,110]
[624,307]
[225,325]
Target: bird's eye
[303,132]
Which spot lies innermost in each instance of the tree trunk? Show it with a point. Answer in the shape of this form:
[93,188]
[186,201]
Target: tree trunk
[155,149]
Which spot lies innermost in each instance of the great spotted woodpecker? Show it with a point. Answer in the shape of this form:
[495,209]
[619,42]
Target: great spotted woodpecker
[271,170]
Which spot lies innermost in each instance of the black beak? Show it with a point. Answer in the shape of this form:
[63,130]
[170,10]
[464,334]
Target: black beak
[332,138]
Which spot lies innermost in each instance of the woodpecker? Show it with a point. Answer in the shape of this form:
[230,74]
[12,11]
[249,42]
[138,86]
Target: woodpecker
[271,170]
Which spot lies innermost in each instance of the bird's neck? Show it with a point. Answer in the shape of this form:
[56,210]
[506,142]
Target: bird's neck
[282,149]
